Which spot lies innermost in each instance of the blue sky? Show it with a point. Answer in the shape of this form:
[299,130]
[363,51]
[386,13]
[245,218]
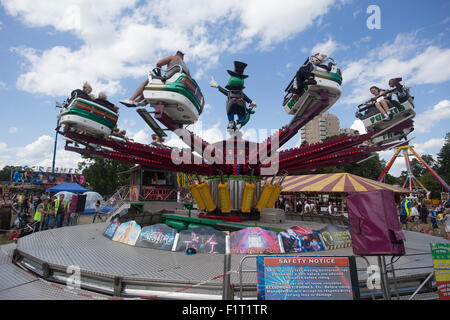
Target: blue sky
[48,48]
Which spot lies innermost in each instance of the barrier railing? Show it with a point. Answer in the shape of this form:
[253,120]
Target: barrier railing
[384,291]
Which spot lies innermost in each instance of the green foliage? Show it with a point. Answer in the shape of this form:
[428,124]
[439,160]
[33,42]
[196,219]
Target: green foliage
[370,168]
[5,173]
[443,160]
[102,174]
[431,184]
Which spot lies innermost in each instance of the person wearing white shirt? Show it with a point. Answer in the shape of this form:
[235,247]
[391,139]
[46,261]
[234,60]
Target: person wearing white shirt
[307,208]
[414,213]
[330,208]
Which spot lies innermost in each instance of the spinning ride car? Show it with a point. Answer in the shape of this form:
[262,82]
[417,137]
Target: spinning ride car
[89,116]
[179,93]
[402,111]
[392,136]
[329,81]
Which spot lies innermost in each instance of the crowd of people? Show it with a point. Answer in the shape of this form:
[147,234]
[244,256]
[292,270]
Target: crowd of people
[307,206]
[44,212]
[419,216]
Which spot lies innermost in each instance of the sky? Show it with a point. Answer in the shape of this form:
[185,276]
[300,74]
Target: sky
[49,47]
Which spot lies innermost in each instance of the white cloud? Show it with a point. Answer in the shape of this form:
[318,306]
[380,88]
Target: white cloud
[416,61]
[3,147]
[13,130]
[425,121]
[125,38]
[328,47]
[141,137]
[39,153]
[2,84]
[358,125]
[37,149]
[429,146]
[362,40]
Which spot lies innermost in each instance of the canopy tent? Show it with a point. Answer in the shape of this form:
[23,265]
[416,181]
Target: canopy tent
[67,186]
[335,183]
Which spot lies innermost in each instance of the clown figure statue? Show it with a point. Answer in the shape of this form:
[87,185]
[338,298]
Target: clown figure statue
[236,98]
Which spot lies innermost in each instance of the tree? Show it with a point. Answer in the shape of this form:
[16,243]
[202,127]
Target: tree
[370,169]
[431,184]
[5,173]
[102,174]
[443,160]
[418,169]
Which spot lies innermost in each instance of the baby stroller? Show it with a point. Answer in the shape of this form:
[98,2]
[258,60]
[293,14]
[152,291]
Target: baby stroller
[21,227]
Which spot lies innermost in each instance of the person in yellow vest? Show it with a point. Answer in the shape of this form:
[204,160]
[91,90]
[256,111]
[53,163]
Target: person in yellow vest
[42,210]
[50,221]
[405,210]
[60,210]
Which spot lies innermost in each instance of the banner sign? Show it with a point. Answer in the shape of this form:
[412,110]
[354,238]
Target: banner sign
[306,278]
[128,233]
[441,262]
[335,237]
[202,239]
[254,240]
[39,177]
[300,239]
[157,236]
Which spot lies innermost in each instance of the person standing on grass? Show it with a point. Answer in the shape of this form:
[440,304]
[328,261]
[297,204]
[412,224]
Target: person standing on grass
[415,214]
[433,216]
[447,223]
[405,210]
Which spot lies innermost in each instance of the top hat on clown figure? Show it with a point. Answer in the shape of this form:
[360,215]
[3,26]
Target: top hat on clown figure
[238,70]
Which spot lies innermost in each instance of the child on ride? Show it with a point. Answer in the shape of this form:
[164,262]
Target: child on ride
[381,103]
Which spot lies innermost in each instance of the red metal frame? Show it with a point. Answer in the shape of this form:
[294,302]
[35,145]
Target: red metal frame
[411,180]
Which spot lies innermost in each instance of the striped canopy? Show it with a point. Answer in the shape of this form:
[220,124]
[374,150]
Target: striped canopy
[335,182]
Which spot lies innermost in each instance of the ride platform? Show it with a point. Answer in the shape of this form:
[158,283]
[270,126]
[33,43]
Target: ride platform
[113,270]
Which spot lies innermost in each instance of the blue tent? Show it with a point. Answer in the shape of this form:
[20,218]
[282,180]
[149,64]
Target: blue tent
[67,186]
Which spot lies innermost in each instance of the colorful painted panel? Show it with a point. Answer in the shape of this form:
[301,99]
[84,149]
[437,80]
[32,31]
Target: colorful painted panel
[300,239]
[202,239]
[109,232]
[128,233]
[254,240]
[157,236]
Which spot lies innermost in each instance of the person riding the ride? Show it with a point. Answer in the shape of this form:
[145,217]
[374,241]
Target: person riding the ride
[137,99]
[381,103]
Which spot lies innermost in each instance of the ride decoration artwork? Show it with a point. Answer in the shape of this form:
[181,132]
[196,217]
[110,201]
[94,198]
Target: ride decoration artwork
[173,102]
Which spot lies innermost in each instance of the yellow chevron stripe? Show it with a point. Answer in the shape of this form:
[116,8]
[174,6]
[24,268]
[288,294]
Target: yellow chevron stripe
[321,184]
[302,180]
[340,185]
[358,187]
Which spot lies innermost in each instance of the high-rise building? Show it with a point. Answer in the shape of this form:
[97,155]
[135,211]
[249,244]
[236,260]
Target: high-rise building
[323,126]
